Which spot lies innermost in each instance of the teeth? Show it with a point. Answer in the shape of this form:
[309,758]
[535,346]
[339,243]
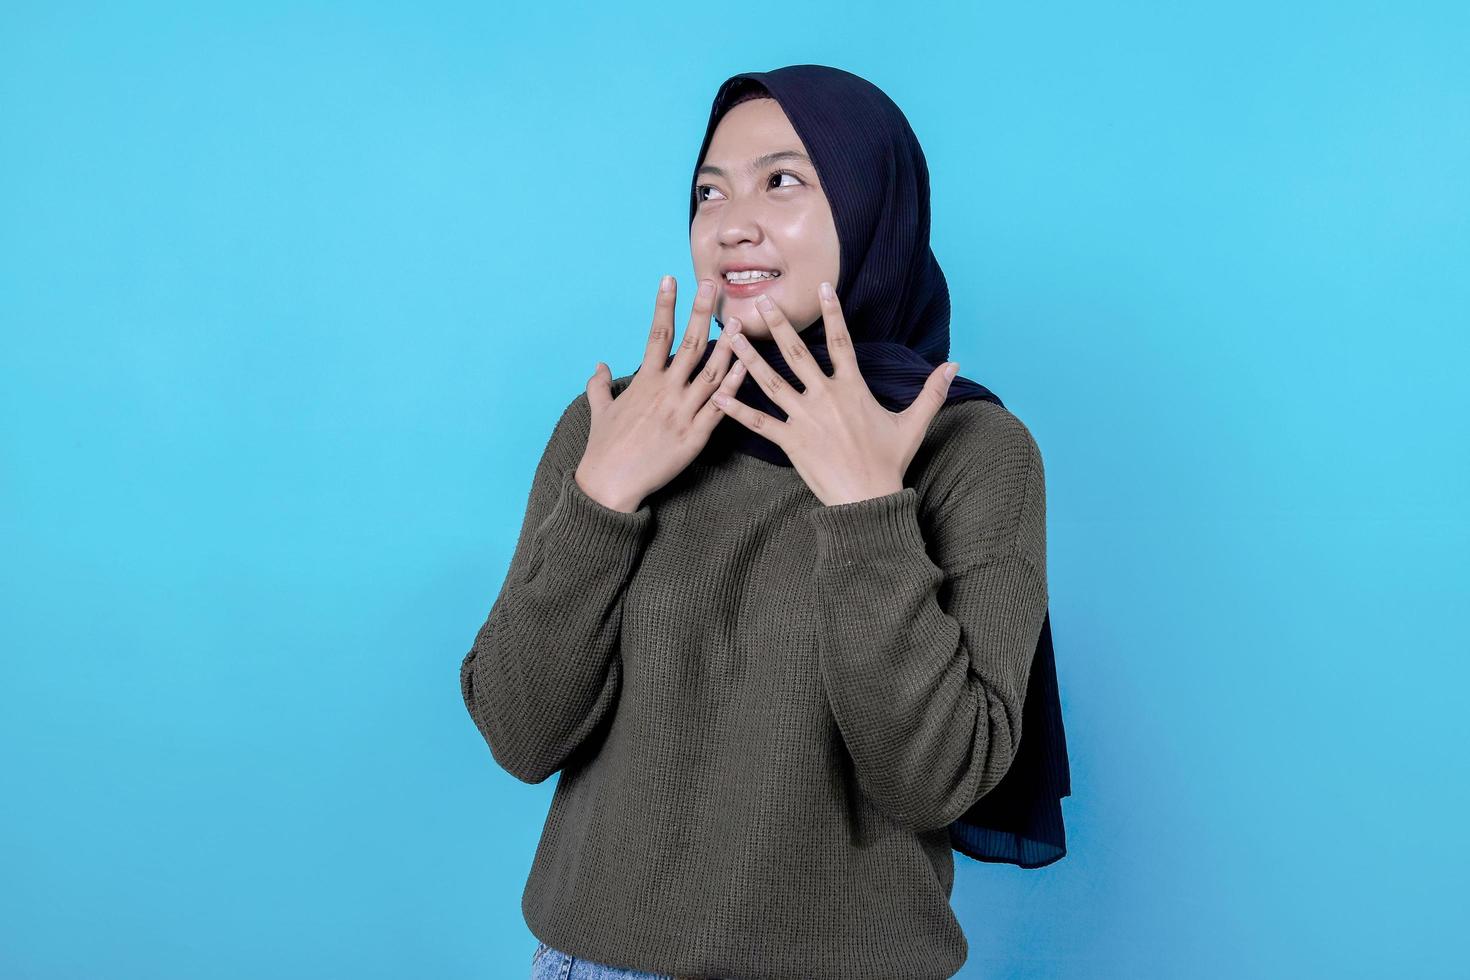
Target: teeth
[749,276]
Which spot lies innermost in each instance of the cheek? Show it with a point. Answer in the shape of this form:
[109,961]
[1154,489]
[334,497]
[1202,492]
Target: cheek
[702,245]
[810,244]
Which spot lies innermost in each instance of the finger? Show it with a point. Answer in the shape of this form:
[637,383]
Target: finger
[786,397]
[753,418]
[931,398]
[696,335]
[793,348]
[710,412]
[705,381]
[839,340]
[599,388]
[715,370]
[661,334]
[703,384]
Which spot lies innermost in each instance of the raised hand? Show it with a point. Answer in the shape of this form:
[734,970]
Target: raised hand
[647,435]
[843,443]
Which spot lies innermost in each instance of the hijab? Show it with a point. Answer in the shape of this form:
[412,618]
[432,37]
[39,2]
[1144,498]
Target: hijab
[896,303]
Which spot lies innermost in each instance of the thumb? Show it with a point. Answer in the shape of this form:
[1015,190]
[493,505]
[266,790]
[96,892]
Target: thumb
[599,388]
[932,396]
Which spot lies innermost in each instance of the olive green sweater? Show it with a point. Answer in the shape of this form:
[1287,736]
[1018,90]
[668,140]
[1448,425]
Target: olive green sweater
[765,711]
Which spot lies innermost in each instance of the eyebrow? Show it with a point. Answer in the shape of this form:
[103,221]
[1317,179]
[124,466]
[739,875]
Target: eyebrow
[763,161]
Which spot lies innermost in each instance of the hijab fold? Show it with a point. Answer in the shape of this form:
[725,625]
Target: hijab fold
[895,301]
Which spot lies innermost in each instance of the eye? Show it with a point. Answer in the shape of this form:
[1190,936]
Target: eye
[700,189]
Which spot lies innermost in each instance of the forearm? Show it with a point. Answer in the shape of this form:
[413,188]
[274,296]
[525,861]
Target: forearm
[926,672]
[543,670]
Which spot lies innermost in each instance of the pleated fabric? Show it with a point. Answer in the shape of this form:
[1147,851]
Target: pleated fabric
[895,301]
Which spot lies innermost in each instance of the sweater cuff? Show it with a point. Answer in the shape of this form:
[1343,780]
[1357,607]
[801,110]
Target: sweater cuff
[882,528]
[581,526]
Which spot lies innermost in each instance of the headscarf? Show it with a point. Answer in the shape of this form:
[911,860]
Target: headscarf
[895,301]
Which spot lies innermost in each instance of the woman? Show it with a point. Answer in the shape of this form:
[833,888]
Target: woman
[777,607]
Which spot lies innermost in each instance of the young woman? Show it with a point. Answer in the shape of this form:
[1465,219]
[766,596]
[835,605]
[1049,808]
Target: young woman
[778,608]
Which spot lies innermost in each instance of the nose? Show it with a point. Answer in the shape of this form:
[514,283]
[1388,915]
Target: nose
[740,221]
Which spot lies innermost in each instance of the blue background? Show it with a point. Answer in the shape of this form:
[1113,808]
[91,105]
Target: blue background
[292,295]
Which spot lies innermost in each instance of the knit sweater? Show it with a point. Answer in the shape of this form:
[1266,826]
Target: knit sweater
[765,711]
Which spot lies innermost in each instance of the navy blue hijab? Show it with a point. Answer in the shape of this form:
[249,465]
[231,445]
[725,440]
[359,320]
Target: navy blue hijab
[896,303]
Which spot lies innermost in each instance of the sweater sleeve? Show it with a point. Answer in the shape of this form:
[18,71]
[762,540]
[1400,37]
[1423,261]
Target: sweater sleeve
[544,669]
[926,660]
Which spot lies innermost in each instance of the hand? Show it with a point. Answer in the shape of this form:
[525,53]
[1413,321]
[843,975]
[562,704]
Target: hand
[647,435]
[841,440]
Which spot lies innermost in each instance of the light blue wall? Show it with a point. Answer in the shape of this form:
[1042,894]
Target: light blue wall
[292,295]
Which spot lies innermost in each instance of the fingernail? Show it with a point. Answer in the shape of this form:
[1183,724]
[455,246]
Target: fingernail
[735,323]
[666,284]
[739,341]
[706,287]
[826,290]
[764,302]
[721,399]
[952,370]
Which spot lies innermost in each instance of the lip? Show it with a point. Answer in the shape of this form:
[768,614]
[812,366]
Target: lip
[744,290]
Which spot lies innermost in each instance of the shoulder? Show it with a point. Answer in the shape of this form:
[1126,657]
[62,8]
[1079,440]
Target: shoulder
[569,435]
[981,484]
[978,441]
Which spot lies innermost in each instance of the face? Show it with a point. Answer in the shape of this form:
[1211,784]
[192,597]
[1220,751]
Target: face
[769,214]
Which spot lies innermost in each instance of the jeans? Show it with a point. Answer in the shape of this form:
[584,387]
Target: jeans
[549,963]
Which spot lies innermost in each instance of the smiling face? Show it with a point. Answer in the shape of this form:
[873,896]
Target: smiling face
[760,205]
